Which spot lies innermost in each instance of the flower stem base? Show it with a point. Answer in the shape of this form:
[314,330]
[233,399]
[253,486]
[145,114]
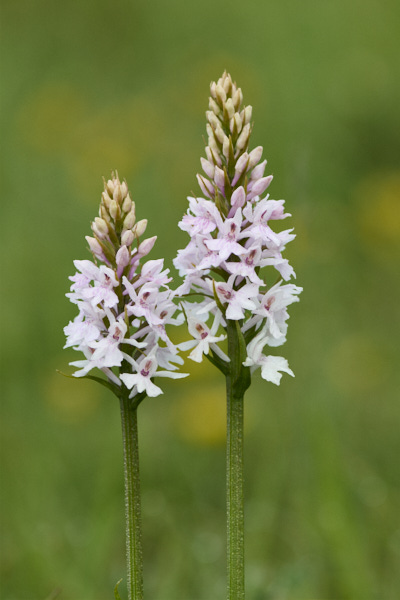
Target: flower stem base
[134,554]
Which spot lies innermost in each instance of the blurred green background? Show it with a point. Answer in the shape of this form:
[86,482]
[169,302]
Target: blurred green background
[88,87]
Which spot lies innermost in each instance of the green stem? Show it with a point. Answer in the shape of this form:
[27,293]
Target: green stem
[234,470]
[134,555]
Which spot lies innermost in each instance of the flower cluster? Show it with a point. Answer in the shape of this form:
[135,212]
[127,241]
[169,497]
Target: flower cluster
[123,305]
[232,240]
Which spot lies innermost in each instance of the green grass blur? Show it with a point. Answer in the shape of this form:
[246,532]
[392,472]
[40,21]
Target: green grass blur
[88,87]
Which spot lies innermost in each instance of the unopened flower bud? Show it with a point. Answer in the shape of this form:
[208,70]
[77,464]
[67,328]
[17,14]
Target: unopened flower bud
[220,94]
[213,89]
[114,210]
[226,82]
[130,219]
[238,198]
[206,187]
[226,147]
[219,134]
[241,163]
[117,195]
[103,213]
[212,157]
[127,204]
[213,146]
[258,171]
[261,185]
[243,138]
[237,98]
[99,227]
[214,106]
[110,187]
[94,246]
[207,167]
[240,167]
[219,178]
[140,228]
[123,257]
[230,109]
[212,119]
[146,246]
[236,121]
[248,111]
[255,156]
[106,199]
[124,189]
[127,238]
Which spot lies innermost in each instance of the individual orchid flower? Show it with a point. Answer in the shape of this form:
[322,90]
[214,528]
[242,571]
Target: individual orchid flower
[146,368]
[270,365]
[204,338]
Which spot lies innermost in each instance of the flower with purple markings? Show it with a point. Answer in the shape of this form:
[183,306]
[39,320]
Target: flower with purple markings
[124,306]
[234,252]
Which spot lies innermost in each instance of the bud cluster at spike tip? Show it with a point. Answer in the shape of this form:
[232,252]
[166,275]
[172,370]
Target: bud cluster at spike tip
[124,303]
[231,240]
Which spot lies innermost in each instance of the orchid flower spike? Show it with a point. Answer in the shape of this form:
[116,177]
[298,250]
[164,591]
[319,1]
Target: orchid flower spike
[124,303]
[233,251]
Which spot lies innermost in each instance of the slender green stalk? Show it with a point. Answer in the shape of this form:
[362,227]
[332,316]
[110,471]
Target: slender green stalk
[234,483]
[134,555]
[234,470]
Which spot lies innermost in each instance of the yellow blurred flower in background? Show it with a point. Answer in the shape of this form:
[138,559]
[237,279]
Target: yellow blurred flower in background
[377,200]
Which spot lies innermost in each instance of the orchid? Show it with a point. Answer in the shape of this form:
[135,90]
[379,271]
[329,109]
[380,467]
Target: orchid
[125,306]
[234,264]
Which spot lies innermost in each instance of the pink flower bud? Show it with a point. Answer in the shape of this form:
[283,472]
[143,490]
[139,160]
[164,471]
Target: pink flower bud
[258,171]
[207,167]
[122,259]
[255,156]
[238,198]
[260,186]
[206,186]
[146,246]
[95,246]
[241,163]
[219,179]
[212,157]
